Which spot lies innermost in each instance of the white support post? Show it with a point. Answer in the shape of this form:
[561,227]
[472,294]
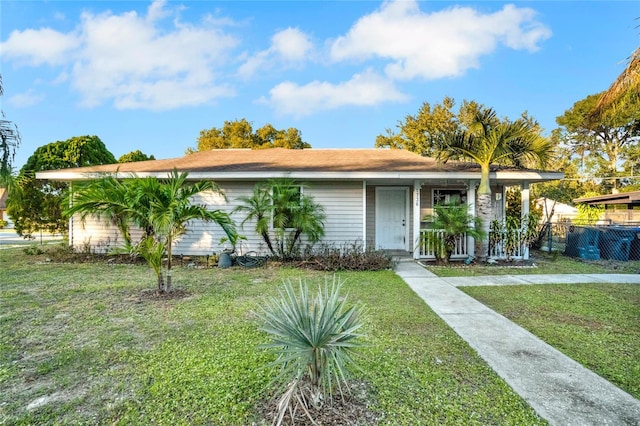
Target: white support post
[524,212]
[71,217]
[416,219]
[471,210]
[364,215]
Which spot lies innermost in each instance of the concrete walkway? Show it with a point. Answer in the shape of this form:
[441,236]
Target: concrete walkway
[558,388]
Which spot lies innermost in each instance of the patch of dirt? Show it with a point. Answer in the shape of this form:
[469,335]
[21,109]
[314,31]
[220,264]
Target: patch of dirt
[350,409]
[155,295]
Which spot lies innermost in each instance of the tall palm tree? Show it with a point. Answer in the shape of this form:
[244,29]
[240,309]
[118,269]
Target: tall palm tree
[490,141]
[625,90]
[9,143]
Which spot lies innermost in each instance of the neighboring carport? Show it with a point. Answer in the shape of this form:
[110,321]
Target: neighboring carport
[619,241]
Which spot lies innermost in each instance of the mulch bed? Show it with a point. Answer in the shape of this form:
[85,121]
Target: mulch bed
[350,409]
[155,295]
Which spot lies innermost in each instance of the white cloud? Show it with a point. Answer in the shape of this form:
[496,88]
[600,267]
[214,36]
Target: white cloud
[439,44]
[292,45]
[289,48]
[26,99]
[40,47]
[364,89]
[133,61]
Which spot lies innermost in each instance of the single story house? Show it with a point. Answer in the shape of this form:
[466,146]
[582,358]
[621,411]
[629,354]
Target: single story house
[613,203]
[377,197]
[555,211]
[3,208]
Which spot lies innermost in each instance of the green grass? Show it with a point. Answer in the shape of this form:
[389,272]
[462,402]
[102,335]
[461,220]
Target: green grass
[79,345]
[540,263]
[597,325]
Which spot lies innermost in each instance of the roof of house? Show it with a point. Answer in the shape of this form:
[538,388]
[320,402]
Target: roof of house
[630,198]
[308,163]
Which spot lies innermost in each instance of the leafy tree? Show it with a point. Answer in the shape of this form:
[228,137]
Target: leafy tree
[490,141]
[161,207]
[565,190]
[9,143]
[451,221]
[134,156]
[283,213]
[240,134]
[603,140]
[36,204]
[422,132]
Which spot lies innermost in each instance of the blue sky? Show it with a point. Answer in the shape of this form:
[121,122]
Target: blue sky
[151,75]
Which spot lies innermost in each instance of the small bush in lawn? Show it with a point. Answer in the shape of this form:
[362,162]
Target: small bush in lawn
[314,338]
[349,257]
[33,250]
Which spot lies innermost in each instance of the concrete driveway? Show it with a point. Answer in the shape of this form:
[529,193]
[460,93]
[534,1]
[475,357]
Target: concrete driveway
[9,238]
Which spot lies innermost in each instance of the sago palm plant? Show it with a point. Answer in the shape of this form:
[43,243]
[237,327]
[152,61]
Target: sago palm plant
[314,339]
[450,222]
[283,214]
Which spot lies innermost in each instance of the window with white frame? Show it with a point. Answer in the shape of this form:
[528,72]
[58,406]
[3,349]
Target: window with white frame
[447,196]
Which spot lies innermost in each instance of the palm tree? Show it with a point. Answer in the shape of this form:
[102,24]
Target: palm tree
[106,197]
[283,213]
[308,220]
[9,143]
[625,90]
[450,222]
[489,141]
[258,207]
[161,207]
[171,208]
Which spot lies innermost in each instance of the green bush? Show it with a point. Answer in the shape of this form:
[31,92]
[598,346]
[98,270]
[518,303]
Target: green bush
[33,250]
[314,339]
[349,257]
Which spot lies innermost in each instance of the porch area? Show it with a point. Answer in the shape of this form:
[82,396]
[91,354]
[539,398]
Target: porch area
[396,218]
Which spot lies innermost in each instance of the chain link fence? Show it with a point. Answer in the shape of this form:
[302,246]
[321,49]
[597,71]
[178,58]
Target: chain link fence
[592,242]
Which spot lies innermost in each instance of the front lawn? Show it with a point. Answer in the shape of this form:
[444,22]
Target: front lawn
[86,344]
[597,325]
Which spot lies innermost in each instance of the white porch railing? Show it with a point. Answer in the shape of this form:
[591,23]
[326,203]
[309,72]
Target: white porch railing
[427,246]
[504,246]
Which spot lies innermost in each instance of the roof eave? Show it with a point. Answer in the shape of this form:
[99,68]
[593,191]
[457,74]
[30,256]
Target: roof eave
[525,175]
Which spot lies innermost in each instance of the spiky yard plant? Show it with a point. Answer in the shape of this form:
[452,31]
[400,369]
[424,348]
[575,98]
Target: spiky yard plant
[314,339]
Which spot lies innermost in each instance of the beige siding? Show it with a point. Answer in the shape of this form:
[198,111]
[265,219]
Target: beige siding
[99,235]
[371,216]
[343,225]
[342,202]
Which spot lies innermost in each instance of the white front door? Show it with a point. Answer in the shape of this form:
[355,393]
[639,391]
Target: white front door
[392,227]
